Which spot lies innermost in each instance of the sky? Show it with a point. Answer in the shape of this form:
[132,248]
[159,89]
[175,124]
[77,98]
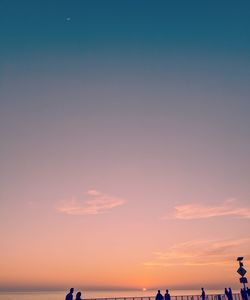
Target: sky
[125,141]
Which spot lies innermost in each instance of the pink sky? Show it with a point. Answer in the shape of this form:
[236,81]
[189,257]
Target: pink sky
[123,165]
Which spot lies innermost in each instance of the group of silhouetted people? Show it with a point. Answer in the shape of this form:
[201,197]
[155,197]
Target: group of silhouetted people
[160,297]
[167,296]
[229,293]
[245,293]
[69,296]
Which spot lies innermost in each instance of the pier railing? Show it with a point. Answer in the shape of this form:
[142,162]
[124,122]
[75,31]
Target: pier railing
[185,297]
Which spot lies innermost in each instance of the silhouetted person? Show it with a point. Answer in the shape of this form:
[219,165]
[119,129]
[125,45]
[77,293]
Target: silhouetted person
[167,296]
[203,294]
[244,294]
[248,292]
[78,296]
[230,294]
[159,296]
[69,296]
[226,292]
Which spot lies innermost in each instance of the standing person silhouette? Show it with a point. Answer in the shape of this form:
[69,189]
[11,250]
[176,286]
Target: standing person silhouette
[167,296]
[248,292]
[244,294]
[227,293]
[203,294]
[69,296]
[78,296]
[230,294]
[159,296]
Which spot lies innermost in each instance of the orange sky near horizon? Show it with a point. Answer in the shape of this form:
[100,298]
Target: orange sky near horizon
[95,244]
[52,276]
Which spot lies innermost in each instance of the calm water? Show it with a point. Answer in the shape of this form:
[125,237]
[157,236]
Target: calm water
[96,294]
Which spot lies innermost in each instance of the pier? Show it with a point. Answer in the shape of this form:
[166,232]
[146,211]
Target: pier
[236,296]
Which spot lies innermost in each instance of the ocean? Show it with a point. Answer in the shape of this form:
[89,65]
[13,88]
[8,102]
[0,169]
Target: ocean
[60,295]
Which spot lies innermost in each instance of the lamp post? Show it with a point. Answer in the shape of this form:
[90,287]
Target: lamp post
[242,272]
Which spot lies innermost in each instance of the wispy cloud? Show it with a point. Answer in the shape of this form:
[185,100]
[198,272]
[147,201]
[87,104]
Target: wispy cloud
[201,253]
[191,211]
[94,203]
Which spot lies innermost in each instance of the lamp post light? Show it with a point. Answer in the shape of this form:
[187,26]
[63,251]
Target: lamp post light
[242,272]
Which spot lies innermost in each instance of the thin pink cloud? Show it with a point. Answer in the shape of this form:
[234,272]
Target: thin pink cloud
[192,211]
[201,253]
[94,204]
